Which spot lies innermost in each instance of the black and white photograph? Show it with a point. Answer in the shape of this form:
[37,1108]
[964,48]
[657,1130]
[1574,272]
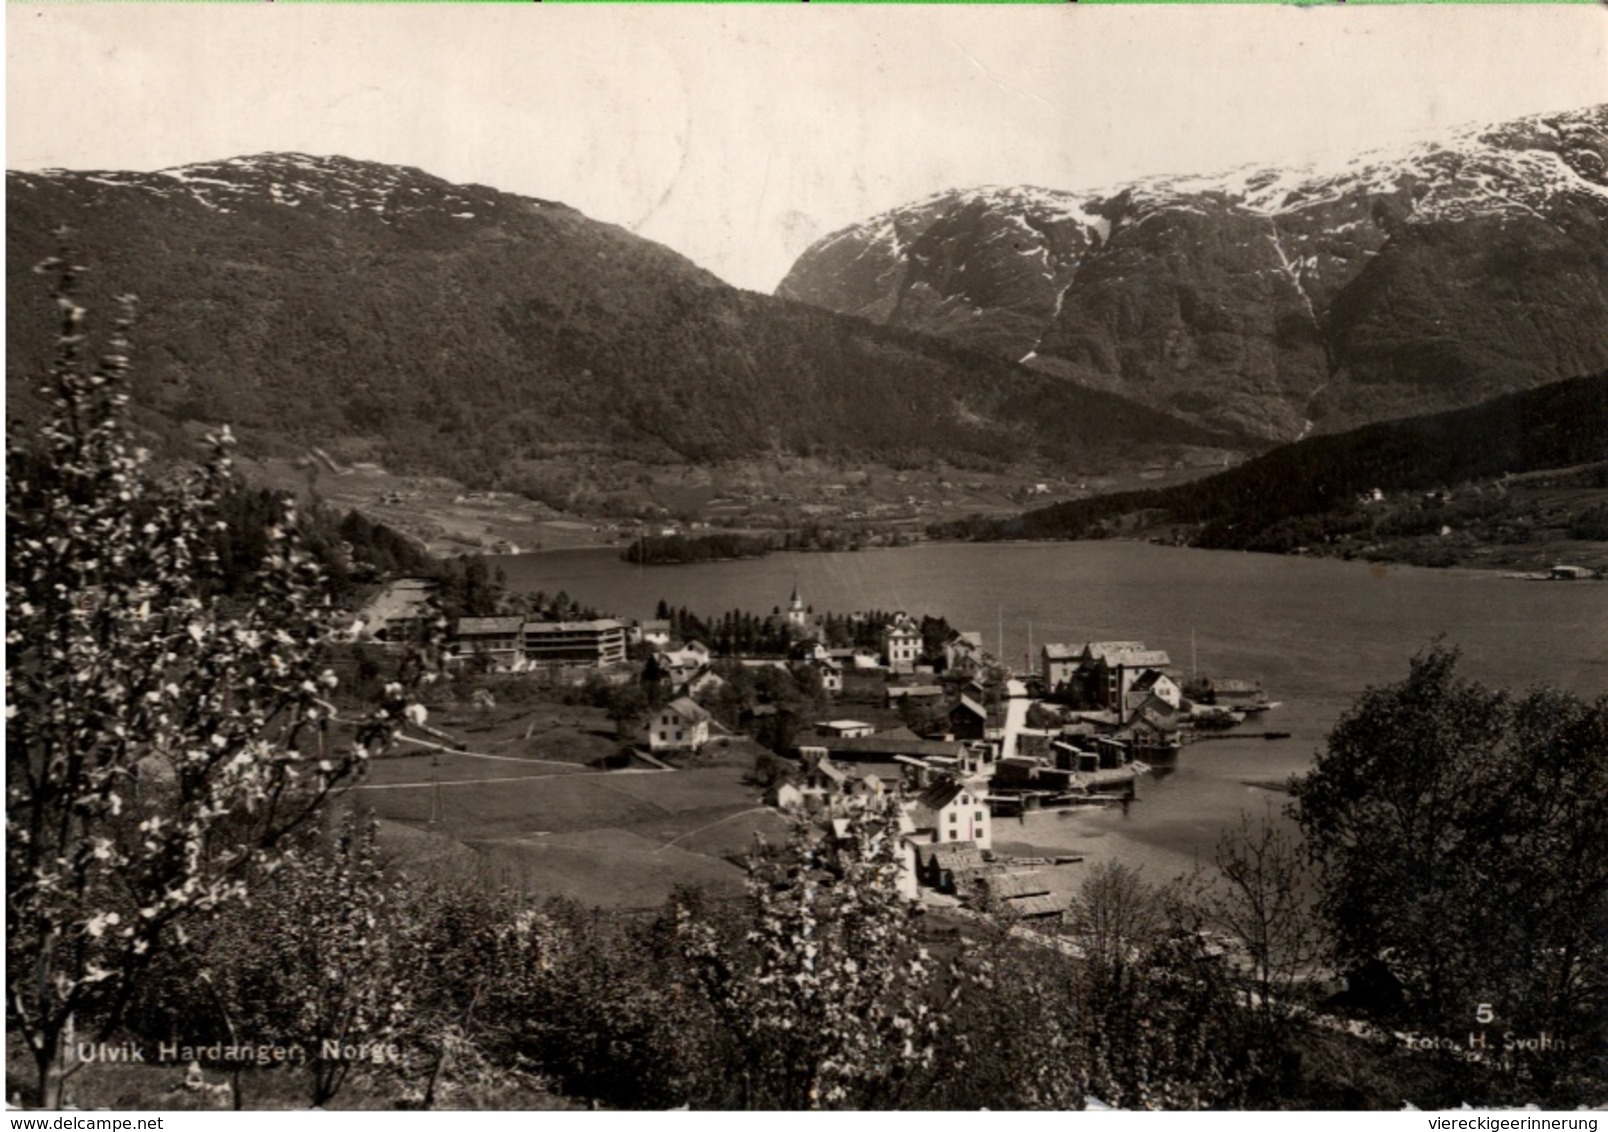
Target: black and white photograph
[726,557]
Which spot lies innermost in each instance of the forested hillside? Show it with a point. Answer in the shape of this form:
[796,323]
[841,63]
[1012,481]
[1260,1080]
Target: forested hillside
[389,315]
[1304,492]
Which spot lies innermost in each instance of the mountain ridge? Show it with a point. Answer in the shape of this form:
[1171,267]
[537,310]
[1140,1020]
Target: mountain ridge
[1269,302]
[462,330]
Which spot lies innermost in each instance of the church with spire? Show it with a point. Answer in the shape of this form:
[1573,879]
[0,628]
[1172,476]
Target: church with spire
[797,615]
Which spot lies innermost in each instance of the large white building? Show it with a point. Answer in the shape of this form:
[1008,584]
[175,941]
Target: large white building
[511,644]
[551,643]
[901,644]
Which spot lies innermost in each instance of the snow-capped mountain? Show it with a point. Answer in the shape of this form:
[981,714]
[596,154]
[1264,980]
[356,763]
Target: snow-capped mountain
[1267,301]
[292,180]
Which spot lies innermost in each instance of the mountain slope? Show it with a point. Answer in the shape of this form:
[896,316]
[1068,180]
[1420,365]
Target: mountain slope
[466,331]
[1267,302]
[1323,489]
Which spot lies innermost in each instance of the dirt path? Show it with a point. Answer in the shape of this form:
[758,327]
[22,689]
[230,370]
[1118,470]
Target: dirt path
[479,755]
[711,825]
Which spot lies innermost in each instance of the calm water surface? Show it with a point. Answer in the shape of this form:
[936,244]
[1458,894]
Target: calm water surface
[1315,631]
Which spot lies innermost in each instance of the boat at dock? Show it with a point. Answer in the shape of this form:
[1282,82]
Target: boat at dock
[1252,709]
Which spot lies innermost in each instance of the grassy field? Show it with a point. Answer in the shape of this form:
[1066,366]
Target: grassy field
[519,806]
[615,839]
[608,868]
[453,767]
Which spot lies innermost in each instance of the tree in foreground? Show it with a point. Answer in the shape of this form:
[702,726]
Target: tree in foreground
[158,745]
[320,958]
[1157,1018]
[1461,836]
[830,994]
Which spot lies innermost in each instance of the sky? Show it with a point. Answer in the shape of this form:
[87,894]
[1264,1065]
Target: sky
[738,135]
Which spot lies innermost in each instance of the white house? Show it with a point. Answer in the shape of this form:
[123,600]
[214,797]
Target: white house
[1151,682]
[654,632]
[953,809]
[901,644]
[680,725]
[843,728]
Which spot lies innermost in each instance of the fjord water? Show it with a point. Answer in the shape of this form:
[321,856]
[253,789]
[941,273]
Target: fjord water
[1316,632]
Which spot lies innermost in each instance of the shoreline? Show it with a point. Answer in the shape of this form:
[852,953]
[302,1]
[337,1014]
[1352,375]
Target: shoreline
[1505,571]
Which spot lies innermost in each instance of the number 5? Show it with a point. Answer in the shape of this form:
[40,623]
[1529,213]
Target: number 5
[1483,1014]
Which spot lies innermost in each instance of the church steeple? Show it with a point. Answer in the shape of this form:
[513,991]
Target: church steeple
[795,607]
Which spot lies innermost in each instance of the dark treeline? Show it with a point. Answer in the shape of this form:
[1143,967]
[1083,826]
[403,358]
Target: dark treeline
[740,632]
[1302,490]
[664,549]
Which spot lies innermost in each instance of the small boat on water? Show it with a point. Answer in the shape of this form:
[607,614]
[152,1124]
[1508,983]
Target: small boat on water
[1275,734]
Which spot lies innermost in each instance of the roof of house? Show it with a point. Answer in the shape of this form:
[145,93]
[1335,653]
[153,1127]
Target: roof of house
[957,856]
[1036,905]
[1004,886]
[975,640]
[1158,713]
[1094,650]
[1033,743]
[1149,679]
[1098,718]
[475,626]
[899,692]
[967,704]
[886,746]
[601,625]
[829,769]
[1141,658]
[941,793]
[1062,652]
[688,710]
